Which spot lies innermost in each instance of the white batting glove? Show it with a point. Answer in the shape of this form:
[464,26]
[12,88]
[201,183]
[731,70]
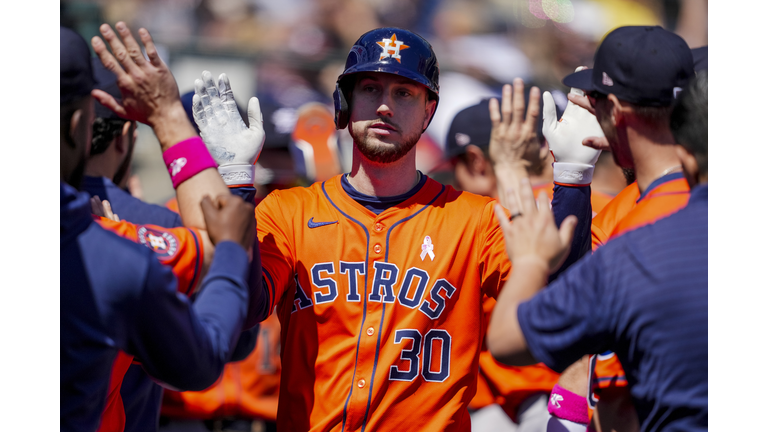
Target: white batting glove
[233,146]
[574,162]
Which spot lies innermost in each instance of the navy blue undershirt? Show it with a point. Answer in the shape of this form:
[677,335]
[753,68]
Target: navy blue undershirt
[379,204]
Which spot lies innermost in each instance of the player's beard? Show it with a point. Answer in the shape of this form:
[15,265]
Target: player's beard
[383,153]
[621,153]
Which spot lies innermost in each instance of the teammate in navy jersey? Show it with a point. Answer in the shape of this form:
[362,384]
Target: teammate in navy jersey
[115,293]
[643,295]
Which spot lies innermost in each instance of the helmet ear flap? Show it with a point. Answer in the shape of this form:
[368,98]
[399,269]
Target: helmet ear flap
[341,106]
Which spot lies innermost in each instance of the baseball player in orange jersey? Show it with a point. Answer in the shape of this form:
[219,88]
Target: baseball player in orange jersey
[635,118]
[378,275]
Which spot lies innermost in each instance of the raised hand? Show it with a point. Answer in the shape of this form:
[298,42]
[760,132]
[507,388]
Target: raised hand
[513,132]
[233,145]
[149,91]
[531,234]
[228,217]
[513,135]
[574,161]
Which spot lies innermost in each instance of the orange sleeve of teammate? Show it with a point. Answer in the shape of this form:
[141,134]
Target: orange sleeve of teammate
[599,201]
[494,264]
[179,248]
[661,204]
[277,255]
[604,223]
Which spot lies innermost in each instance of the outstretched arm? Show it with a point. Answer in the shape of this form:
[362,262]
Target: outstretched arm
[150,95]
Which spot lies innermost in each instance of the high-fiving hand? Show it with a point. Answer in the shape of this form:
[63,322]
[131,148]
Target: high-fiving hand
[234,146]
[149,91]
[513,131]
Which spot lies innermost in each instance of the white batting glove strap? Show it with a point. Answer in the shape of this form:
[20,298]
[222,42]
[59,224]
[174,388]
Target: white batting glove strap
[573,173]
[237,174]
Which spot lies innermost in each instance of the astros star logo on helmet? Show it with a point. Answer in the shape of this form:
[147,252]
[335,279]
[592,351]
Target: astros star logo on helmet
[391,48]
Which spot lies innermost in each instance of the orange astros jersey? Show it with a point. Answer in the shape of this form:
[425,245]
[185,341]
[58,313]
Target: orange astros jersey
[381,315]
[626,213]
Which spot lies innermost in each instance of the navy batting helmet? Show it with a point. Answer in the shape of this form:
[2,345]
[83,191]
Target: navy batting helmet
[388,50]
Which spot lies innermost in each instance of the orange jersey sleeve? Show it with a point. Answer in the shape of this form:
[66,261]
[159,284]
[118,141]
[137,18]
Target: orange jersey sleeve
[661,202]
[599,201]
[275,244]
[179,248]
[613,212]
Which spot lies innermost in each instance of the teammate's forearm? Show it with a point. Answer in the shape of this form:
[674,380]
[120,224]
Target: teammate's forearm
[508,176]
[190,193]
[187,345]
[505,338]
[172,126]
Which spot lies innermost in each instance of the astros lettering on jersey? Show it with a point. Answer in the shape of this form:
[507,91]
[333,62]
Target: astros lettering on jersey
[381,315]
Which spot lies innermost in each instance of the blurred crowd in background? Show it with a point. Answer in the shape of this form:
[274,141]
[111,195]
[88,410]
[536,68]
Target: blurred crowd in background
[289,53]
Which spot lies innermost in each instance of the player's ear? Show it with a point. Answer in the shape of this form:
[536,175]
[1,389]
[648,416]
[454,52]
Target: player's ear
[78,116]
[430,111]
[476,162]
[616,109]
[123,142]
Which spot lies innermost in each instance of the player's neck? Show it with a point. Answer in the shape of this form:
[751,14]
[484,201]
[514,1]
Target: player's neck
[391,179]
[654,156]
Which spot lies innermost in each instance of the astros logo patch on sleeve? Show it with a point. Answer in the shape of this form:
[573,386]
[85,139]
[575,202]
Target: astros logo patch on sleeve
[163,243]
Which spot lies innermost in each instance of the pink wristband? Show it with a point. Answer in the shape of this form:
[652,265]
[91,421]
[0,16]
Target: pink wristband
[568,405]
[186,159]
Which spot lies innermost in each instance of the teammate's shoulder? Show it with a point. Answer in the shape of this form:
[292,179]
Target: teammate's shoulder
[619,205]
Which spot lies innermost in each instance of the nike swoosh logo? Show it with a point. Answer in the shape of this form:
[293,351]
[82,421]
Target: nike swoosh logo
[312,224]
